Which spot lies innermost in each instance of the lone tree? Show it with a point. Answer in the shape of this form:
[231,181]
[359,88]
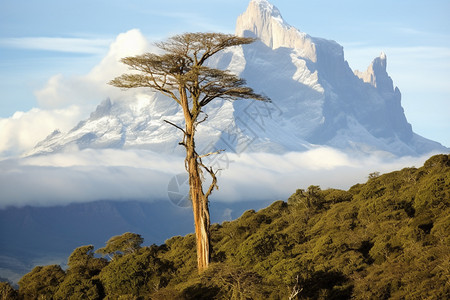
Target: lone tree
[181,74]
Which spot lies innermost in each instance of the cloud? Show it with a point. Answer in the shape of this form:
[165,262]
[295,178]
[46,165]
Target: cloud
[71,45]
[24,130]
[93,87]
[89,175]
[197,22]
[360,56]
[419,34]
[64,101]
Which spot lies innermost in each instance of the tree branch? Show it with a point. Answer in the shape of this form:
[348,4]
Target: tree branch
[203,120]
[175,125]
[214,180]
[211,153]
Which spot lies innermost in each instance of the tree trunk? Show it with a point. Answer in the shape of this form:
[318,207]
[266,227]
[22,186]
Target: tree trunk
[199,201]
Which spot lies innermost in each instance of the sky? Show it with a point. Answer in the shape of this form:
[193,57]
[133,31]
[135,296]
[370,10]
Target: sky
[40,39]
[47,45]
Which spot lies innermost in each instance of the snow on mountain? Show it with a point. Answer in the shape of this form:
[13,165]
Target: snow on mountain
[317,100]
[264,21]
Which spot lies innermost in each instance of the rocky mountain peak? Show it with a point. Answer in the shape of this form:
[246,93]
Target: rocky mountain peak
[317,100]
[376,74]
[264,21]
[103,109]
[267,6]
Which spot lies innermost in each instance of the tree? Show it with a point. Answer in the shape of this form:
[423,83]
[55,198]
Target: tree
[136,274]
[7,292]
[82,260]
[122,244]
[182,75]
[311,198]
[81,280]
[41,282]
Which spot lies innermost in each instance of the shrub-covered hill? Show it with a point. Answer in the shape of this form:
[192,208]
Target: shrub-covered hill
[385,239]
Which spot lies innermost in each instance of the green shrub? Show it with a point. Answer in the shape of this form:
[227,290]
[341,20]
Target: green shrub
[388,238]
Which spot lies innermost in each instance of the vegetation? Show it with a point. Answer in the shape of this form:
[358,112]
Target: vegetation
[182,75]
[388,238]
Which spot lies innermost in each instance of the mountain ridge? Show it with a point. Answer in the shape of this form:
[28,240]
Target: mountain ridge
[318,100]
[386,238]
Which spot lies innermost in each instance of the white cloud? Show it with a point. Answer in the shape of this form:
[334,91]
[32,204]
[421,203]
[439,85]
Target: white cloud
[360,56]
[93,87]
[64,101]
[24,130]
[193,20]
[419,34]
[72,45]
[89,175]
[126,44]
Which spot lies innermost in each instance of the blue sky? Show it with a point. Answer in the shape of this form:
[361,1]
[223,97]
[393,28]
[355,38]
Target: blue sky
[40,39]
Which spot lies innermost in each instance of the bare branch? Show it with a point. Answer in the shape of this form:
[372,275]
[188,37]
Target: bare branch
[203,120]
[213,184]
[211,153]
[295,290]
[175,125]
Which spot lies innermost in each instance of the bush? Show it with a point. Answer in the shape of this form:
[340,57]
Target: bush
[387,238]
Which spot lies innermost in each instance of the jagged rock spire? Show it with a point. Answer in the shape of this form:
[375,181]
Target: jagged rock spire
[376,74]
[264,21]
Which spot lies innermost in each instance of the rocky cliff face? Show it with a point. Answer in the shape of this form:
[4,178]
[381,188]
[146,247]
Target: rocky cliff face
[264,21]
[345,111]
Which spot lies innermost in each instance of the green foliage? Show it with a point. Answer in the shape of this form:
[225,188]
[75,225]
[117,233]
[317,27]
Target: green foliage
[373,175]
[83,262]
[78,287]
[81,281]
[136,274]
[233,282]
[122,244]
[41,282]
[311,198]
[7,292]
[388,238]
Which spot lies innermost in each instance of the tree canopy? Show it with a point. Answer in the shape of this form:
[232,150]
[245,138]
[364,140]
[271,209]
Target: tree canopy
[182,72]
[121,244]
[388,238]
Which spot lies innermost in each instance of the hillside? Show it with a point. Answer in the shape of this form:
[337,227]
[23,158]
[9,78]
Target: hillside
[385,239]
[29,237]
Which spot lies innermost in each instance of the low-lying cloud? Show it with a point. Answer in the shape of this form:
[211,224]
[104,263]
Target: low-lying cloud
[90,175]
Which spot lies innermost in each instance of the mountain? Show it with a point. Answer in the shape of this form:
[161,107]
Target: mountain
[318,100]
[387,238]
[33,235]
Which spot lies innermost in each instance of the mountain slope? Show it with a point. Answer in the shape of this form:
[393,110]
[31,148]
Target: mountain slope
[346,112]
[317,100]
[31,236]
[385,239]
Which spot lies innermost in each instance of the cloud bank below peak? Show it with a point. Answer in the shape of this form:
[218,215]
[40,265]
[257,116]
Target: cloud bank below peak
[90,175]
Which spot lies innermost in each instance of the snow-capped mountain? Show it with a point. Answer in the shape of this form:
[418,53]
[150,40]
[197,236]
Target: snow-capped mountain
[317,100]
